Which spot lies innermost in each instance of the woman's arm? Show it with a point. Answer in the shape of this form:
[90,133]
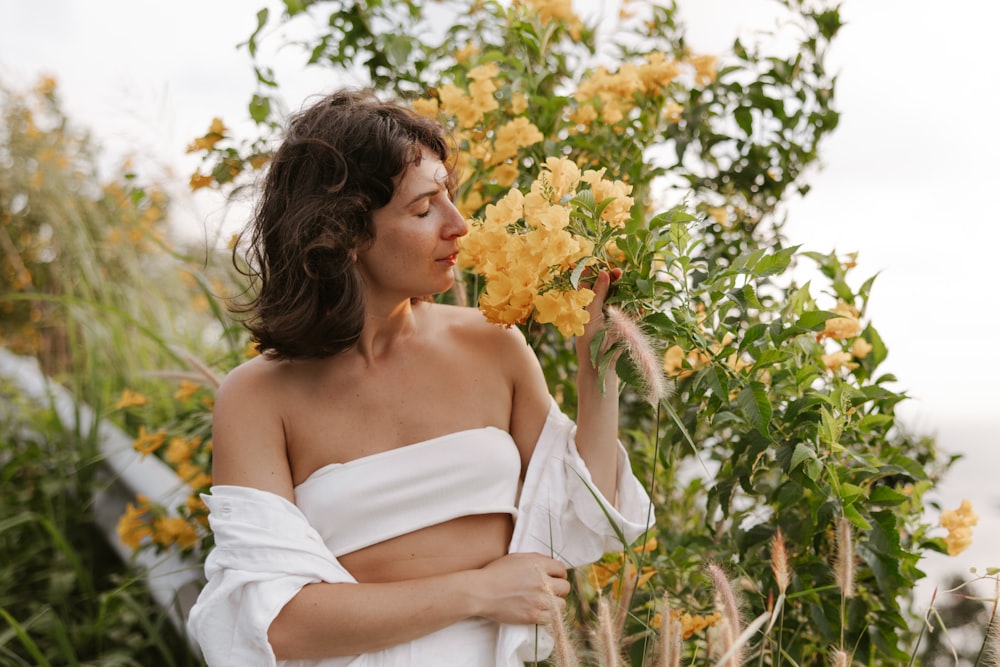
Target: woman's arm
[597,407]
[347,619]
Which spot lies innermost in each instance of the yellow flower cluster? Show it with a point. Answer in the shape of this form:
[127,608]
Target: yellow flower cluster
[691,624]
[614,93]
[843,327]
[142,522]
[847,325]
[146,523]
[680,364]
[959,524]
[526,247]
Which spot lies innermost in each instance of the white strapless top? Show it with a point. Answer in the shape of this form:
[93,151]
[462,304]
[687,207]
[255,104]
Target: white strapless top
[374,498]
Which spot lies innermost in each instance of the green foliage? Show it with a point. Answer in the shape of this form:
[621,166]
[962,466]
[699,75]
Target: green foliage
[65,596]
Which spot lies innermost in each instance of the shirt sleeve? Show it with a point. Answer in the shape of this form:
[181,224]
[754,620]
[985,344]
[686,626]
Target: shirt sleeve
[265,552]
[562,513]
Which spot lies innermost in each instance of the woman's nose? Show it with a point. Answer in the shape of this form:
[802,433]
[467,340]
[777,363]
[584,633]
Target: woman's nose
[455,225]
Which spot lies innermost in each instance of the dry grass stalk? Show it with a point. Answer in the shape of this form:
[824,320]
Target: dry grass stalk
[844,566]
[640,351]
[670,637]
[839,658]
[629,581]
[726,603]
[563,650]
[779,562]
[991,644]
[605,637]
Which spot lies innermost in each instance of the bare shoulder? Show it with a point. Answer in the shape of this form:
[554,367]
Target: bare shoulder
[248,441]
[472,326]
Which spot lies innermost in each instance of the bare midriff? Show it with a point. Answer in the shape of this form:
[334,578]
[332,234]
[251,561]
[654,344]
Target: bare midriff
[466,543]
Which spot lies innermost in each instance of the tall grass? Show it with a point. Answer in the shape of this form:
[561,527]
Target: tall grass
[65,596]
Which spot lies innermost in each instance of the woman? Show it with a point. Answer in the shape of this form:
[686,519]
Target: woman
[393,483]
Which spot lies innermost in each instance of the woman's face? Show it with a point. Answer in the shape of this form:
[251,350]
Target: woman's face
[416,236]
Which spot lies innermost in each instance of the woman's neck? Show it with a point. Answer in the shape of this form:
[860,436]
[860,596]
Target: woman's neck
[385,326]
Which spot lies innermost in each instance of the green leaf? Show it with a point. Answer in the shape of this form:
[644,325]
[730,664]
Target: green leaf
[260,108]
[858,521]
[775,263]
[752,335]
[802,452]
[814,319]
[756,407]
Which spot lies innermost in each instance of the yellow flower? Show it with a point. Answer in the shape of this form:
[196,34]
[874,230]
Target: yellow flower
[551,218]
[672,111]
[845,326]
[518,103]
[512,136]
[564,309]
[839,359]
[426,108]
[186,390]
[619,210]
[860,348]
[147,443]
[216,132]
[562,175]
[193,476]
[705,69]
[463,54]
[180,450]
[133,526]
[658,72]
[130,399]
[584,115]
[959,524]
[170,530]
[199,180]
[46,86]
[505,174]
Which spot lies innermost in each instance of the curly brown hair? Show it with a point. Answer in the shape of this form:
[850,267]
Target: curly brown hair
[340,160]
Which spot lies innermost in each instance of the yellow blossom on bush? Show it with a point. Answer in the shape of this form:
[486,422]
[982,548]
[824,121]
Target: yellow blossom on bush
[528,246]
[428,108]
[512,136]
[860,348]
[463,54]
[146,443]
[199,180]
[620,209]
[180,450]
[705,69]
[130,399]
[845,326]
[186,390]
[691,624]
[193,475]
[170,530]
[133,526]
[959,524]
[564,309]
[839,359]
[216,132]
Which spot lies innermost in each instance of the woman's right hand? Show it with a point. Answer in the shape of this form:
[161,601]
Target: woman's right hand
[523,588]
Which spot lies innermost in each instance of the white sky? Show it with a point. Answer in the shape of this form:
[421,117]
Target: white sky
[909,179]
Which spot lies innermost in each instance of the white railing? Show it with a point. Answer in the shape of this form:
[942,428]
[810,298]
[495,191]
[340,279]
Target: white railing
[173,581]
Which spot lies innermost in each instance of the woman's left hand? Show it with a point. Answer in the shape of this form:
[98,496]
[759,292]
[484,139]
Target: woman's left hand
[601,288]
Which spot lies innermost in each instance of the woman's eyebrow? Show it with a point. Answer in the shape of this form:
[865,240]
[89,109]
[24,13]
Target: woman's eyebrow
[423,195]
